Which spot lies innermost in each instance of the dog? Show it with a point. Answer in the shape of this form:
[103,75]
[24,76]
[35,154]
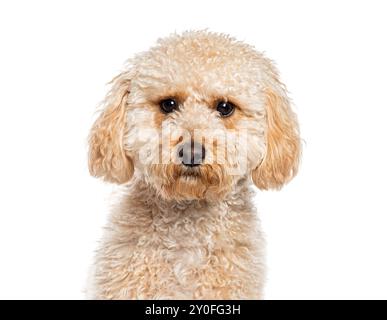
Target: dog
[186,129]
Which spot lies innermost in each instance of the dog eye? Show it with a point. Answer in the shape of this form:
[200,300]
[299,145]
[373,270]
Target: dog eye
[225,109]
[168,105]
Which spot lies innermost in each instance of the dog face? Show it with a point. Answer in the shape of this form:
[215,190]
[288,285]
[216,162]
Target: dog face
[194,115]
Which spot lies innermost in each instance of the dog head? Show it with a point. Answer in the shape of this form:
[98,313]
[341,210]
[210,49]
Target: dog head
[194,115]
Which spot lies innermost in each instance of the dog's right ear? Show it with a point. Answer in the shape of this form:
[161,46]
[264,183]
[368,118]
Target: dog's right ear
[107,157]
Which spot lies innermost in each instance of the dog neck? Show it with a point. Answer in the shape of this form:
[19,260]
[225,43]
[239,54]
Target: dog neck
[143,218]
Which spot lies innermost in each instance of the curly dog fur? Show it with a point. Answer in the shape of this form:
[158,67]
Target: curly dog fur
[190,232]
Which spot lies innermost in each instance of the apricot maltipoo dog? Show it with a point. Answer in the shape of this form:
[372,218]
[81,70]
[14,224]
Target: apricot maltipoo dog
[186,128]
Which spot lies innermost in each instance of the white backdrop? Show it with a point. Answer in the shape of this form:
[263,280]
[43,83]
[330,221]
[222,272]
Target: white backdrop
[326,231]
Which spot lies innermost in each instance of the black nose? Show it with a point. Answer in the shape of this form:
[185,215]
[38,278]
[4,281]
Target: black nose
[192,154]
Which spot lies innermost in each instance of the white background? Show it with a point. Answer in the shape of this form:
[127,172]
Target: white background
[326,231]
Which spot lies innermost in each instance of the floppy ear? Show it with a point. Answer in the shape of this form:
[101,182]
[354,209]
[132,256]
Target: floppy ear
[280,163]
[107,158]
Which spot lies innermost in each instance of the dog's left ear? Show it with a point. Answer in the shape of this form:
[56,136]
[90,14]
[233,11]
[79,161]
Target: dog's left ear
[280,163]
[107,157]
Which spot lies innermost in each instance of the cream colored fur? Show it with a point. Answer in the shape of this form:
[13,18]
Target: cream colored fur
[174,235]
